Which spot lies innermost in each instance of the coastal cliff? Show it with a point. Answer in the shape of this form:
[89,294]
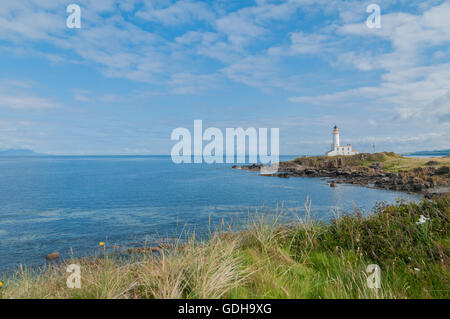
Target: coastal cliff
[385,170]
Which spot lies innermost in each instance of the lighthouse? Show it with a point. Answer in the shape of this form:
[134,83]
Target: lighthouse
[337,149]
[335,137]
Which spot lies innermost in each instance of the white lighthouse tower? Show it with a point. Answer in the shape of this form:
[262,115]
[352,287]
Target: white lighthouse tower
[337,149]
[335,138]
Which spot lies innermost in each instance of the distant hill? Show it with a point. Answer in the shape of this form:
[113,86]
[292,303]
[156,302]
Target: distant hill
[430,153]
[19,152]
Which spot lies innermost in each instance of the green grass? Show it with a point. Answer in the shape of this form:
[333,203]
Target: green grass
[363,159]
[407,163]
[306,259]
[390,161]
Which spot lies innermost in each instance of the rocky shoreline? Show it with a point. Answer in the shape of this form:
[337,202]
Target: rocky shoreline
[363,170]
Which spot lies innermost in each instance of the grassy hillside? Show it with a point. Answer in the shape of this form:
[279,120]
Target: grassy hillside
[408,163]
[302,260]
[389,161]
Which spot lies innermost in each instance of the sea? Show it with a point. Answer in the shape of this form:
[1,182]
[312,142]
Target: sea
[70,204]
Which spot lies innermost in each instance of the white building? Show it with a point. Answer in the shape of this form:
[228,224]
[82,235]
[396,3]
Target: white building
[336,149]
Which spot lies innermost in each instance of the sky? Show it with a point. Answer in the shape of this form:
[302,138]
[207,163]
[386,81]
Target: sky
[136,70]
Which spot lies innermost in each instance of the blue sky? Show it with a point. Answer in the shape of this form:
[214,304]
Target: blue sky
[137,69]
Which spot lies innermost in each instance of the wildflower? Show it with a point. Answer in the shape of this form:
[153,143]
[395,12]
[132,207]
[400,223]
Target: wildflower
[102,243]
[422,220]
[416,269]
[1,284]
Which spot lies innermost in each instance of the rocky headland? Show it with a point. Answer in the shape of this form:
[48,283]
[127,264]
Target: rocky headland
[429,176]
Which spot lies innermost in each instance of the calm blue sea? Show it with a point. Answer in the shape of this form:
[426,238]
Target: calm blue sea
[57,203]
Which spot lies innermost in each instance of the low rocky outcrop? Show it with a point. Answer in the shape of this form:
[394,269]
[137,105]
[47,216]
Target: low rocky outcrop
[428,179]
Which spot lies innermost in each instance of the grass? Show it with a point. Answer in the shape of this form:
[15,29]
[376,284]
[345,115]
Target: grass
[363,159]
[390,162]
[408,163]
[306,259]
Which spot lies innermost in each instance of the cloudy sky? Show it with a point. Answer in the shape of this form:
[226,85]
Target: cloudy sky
[138,69]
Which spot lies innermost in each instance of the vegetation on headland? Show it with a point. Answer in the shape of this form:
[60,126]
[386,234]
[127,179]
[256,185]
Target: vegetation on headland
[385,170]
[410,243]
[388,161]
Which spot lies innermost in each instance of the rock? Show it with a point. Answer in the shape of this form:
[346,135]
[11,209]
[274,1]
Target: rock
[253,167]
[350,170]
[442,170]
[310,171]
[378,183]
[53,256]
[376,165]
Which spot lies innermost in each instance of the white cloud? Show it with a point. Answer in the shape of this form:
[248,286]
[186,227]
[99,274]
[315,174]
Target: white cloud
[8,84]
[123,48]
[255,71]
[416,89]
[26,102]
[181,12]
[302,43]
[409,35]
[17,94]
[251,23]
[188,83]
